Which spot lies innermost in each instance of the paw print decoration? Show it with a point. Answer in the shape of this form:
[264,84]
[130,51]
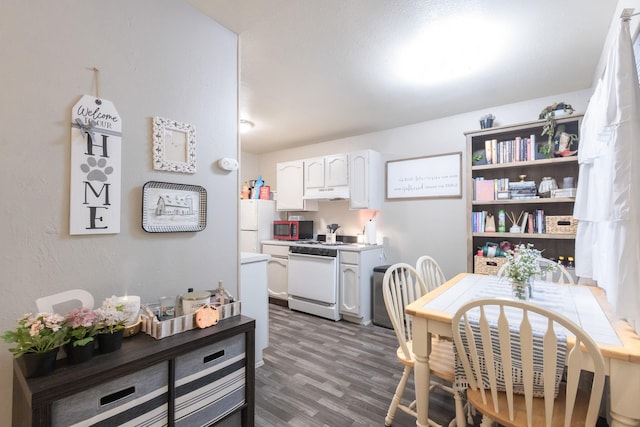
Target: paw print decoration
[96,170]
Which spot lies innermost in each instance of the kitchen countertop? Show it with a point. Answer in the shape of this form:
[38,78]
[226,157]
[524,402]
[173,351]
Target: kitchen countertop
[344,247]
[249,257]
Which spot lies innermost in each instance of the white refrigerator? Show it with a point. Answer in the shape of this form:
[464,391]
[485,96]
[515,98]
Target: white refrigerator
[256,223]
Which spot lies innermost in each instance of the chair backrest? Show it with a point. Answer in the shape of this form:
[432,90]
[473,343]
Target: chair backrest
[430,272]
[401,286]
[525,339]
[559,274]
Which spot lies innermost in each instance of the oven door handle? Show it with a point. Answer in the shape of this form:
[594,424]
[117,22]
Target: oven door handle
[327,257]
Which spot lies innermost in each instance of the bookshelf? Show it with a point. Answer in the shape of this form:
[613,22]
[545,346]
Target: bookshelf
[519,156]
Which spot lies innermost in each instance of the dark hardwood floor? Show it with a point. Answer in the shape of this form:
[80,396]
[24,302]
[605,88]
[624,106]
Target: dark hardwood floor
[318,372]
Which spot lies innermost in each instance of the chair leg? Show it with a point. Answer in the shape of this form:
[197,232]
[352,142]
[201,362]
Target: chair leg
[460,419]
[395,401]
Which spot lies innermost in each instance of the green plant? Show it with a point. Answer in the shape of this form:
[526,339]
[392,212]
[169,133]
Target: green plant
[522,263]
[549,127]
[37,334]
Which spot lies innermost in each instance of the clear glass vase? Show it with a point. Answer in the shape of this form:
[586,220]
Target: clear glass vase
[521,290]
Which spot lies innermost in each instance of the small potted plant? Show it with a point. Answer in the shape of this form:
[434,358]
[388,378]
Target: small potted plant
[82,325]
[549,114]
[486,121]
[521,266]
[112,317]
[38,339]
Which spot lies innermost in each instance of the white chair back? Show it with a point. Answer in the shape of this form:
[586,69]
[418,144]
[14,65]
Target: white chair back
[401,286]
[511,344]
[430,272]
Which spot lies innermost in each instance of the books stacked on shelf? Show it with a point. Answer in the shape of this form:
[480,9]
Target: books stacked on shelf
[531,222]
[522,190]
[491,189]
[478,220]
[520,149]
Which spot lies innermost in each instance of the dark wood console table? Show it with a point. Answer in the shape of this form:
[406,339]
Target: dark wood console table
[204,376]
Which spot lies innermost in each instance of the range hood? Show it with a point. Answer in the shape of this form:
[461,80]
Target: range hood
[327,193]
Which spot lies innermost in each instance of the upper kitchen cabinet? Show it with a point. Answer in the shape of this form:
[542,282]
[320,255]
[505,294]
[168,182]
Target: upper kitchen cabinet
[290,181]
[365,180]
[326,177]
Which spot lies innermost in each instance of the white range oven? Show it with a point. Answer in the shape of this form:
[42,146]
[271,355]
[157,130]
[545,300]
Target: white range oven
[313,280]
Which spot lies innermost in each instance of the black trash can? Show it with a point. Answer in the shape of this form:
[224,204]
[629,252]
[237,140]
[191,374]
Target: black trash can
[380,316]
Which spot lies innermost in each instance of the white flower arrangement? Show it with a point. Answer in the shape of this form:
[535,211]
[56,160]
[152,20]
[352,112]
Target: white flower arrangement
[113,314]
[522,263]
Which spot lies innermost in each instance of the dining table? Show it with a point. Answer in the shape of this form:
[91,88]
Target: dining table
[585,305]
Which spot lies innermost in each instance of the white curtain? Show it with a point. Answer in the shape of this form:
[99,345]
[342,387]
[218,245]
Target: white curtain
[608,194]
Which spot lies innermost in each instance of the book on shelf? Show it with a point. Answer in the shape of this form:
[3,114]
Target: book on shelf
[525,219]
[519,149]
[484,189]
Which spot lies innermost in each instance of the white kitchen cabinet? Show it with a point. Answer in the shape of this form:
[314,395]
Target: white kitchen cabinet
[290,188]
[327,177]
[277,274]
[365,180]
[356,281]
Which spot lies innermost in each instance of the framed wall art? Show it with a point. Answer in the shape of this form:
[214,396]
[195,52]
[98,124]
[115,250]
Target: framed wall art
[437,176]
[174,146]
[168,207]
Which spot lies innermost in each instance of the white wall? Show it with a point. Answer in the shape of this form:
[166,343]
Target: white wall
[156,58]
[408,229]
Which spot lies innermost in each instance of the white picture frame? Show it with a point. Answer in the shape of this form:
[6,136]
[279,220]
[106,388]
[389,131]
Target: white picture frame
[429,177]
[174,146]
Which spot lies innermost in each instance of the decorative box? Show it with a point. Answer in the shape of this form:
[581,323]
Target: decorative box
[563,192]
[487,265]
[165,328]
[562,224]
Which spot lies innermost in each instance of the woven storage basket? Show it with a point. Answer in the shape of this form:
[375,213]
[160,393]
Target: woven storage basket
[563,224]
[487,265]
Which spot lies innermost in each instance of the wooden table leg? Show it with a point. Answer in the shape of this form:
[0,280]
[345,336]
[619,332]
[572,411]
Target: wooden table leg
[624,382]
[421,372]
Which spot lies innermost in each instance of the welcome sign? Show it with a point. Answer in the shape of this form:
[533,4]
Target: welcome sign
[96,140]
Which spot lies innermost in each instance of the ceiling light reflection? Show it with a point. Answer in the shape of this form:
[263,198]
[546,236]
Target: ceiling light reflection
[450,49]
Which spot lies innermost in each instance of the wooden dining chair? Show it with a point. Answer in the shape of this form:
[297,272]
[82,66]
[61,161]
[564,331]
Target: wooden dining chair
[513,354]
[430,272]
[549,271]
[401,286]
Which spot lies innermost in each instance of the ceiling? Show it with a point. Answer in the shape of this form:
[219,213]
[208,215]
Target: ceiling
[318,70]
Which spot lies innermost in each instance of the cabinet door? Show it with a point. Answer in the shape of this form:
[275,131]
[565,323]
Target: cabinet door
[290,182]
[289,177]
[277,277]
[350,289]
[314,170]
[337,170]
[365,180]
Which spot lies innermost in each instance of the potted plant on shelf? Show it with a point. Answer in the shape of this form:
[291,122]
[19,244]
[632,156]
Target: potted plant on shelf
[38,339]
[522,265]
[549,114]
[82,328]
[112,317]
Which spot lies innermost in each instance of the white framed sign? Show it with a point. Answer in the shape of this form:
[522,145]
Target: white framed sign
[438,176]
[96,142]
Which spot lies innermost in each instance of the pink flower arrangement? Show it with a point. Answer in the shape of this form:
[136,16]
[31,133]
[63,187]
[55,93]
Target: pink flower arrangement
[38,333]
[82,323]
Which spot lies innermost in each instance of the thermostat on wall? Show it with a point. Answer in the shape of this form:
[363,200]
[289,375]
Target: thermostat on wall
[228,164]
